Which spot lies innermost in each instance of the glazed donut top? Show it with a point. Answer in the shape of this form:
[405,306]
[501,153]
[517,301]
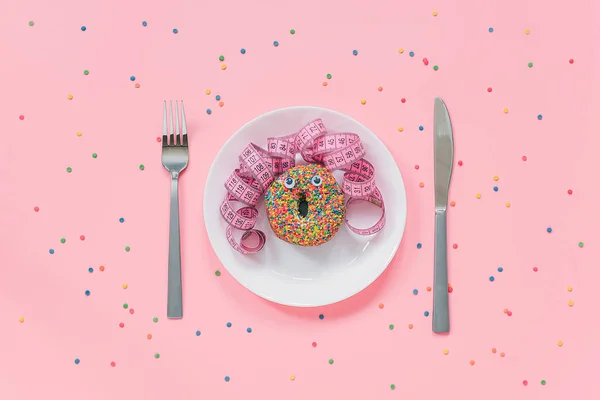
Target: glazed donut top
[305,205]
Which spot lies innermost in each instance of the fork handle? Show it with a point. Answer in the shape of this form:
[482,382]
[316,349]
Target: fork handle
[174,296]
[441,318]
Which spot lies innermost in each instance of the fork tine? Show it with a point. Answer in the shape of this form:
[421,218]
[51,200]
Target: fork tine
[183,126]
[172,138]
[177,131]
[164,135]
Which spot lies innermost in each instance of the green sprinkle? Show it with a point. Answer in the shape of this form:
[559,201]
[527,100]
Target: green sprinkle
[292,31]
[142,167]
[69,169]
[580,244]
[218,273]
[157,355]
[31,23]
[391,327]
[126,306]
[543,381]
[435,67]
[392,386]
[86,72]
[328,76]
[530,65]
[94,155]
[155,319]
[331,361]
[127,248]
[62,240]
[221,58]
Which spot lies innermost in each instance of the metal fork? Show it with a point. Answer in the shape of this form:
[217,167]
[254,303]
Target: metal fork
[175,157]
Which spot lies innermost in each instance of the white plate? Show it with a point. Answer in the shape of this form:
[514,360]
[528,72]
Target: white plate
[308,276]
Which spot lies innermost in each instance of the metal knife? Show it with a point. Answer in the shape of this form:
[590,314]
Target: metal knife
[443,152]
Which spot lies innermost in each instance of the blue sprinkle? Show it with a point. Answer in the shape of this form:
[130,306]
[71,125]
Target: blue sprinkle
[419,245]
[426,313]
[243,51]
[175,31]
[90,270]
[208,111]
[276,43]
[491,279]
[77,361]
[51,251]
[540,117]
[495,188]
[421,127]
[321,316]
[227,379]
[412,54]
[548,229]
[121,220]
[197,333]
[500,269]
[132,78]
[415,291]
[83,28]
[87,292]
[491,30]
[355,52]
[249,330]
[229,324]
[218,97]
[144,23]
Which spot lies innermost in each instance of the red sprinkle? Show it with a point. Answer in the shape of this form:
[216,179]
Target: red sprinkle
[509,313]
[314,344]
[460,163]
[425,61]
[81,237]
[403,100]
[21,117]
[131,311]
[489,90]
[570,191]
[112,364]
[36,209]
[525,383]
[121,325]
[571,61]
[416,167]
[450,289]
[535,269]
[158,139]
[455,246]
[524,158]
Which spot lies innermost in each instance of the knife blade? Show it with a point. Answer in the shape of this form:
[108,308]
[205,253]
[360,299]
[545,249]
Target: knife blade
[443,153]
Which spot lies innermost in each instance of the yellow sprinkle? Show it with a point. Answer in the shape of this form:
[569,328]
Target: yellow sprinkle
[207,91]
[507,204]
[478,195]
[571,303]
[445,351]
[79,133]
[570,288]
[496,178]
[70,97]
[400,129]
[124,286]
[435,13]
[292,377]
[505,110]
[527,31]
[223,66]
[21,320]
[400,50]
[363,102]
[559,343]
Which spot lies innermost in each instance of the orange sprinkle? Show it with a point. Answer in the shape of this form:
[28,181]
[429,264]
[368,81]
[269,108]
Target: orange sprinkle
[380,305]
[221,104]
[101,268]
[410,326]
[502,354]
[452,203]
[428,288]
[223,67]
[324,83]
[137,85]
[421,184]
[363,102]
[380,88]
[472,362]
[149,336]
[505,310]
[494,350]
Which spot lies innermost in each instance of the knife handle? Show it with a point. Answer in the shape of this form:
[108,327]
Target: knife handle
[441,318]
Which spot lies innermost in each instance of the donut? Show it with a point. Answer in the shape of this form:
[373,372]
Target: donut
[305,205]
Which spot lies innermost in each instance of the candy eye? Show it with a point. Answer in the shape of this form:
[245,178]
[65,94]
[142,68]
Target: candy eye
[316,180]
[289,182]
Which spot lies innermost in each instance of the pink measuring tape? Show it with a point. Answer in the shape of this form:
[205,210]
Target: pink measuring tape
[259,168]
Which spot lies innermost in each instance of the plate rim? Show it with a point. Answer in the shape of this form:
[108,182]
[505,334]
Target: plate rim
[212,237]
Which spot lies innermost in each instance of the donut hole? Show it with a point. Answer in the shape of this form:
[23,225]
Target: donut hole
[302,205]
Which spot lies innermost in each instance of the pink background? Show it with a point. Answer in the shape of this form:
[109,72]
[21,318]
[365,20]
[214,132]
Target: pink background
[42,64]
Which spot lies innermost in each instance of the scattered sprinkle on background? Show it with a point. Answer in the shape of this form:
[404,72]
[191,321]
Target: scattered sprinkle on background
[546,169]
